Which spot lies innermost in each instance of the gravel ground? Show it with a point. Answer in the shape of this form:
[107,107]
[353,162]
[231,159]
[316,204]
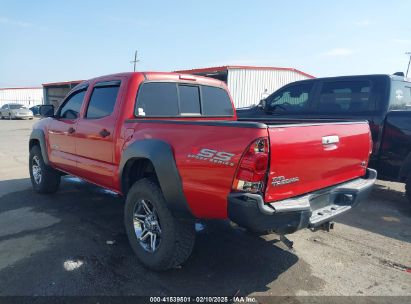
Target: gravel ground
[73,243]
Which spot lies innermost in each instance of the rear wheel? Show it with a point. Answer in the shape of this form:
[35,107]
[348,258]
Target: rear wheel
[408,188]
[159,240]
[44,178]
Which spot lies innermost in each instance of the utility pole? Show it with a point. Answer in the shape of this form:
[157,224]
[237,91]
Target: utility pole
[135,60]
[409,61]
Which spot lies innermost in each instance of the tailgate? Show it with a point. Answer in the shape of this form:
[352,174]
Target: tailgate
[309,157]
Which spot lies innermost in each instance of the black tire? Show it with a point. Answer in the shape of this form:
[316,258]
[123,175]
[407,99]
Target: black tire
[408,188]
[177,236]
[49,178]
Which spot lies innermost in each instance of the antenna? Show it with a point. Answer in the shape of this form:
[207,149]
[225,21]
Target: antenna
[135,60]
[409,61]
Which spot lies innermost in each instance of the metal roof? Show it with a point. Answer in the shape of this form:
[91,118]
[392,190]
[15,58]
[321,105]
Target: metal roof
[243,67]
[22,88]
[50,84]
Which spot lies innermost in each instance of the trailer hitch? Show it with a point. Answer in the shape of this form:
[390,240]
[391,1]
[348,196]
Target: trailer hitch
[325,226]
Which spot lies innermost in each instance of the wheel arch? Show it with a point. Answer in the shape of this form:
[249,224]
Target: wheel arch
[37,137]
[135,169]
[142,154]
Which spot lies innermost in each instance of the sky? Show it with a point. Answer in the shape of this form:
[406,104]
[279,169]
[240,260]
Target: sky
[51,41]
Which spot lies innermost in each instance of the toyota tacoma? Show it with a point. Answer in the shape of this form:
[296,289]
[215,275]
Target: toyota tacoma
[171,144]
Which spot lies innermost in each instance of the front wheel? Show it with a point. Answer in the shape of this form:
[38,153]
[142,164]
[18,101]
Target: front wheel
[44,178]
[159,240]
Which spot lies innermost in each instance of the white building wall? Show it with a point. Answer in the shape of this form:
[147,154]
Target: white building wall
[247,86]
[26,96]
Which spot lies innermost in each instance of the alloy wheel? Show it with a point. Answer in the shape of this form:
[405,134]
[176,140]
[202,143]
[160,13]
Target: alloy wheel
[36,169]
[146,225]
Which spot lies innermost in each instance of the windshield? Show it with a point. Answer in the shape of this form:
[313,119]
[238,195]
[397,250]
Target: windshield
[17,106]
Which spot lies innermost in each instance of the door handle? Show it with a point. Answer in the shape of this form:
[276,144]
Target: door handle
[329,140]
[71,130]
[104,133]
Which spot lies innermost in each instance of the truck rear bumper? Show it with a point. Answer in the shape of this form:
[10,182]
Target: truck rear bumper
[308,211]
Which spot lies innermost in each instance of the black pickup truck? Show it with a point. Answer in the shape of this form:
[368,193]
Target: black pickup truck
[383,100]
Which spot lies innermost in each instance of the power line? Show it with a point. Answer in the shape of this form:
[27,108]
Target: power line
[409,61]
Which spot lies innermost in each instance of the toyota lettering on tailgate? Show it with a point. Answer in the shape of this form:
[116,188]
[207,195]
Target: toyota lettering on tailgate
[281,180]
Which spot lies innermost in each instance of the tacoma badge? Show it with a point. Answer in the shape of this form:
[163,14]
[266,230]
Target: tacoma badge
[281,180]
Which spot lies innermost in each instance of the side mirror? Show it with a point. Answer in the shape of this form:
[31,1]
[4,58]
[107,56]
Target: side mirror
[46,111]
[262,103]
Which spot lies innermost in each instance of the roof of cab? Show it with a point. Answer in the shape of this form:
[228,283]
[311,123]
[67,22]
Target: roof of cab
[163,76]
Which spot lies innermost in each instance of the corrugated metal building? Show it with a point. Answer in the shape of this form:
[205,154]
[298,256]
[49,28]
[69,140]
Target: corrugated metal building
[249,84]
[27,96]
[55,92]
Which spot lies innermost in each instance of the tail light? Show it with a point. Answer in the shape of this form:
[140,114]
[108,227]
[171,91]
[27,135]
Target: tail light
[252,170]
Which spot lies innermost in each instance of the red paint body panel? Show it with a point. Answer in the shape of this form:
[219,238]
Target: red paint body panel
[61,144]
[206,185]
[298,151]
[294,150]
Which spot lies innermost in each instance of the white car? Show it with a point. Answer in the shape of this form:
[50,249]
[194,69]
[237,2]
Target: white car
[15,111]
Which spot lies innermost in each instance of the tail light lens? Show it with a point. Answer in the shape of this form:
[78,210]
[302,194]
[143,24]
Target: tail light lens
[252,170]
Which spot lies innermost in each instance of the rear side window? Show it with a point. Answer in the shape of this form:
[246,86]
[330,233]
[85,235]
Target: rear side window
[346,96]
[157,99]
[102,101]
[71,107]
[169,99]
[400,96]
[189,100]
[216,102]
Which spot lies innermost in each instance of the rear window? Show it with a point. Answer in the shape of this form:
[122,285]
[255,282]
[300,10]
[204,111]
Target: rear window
[170,99]
[189,100]
[400,96]
[346,96]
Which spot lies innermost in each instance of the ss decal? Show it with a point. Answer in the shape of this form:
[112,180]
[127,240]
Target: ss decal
[214,156]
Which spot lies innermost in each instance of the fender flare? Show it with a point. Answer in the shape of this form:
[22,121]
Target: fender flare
[161,156]
[38,134]
[405,168]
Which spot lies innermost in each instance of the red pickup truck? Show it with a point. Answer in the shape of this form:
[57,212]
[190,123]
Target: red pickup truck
[171,144]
